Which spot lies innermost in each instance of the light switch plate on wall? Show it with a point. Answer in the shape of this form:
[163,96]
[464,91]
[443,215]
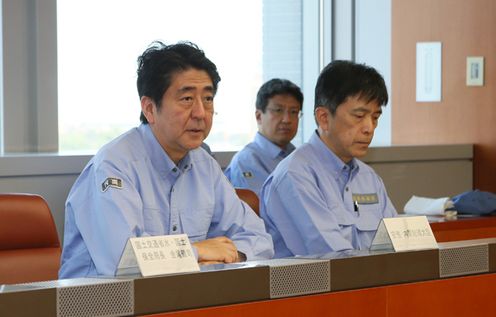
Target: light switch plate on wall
[428,72]
[475,71]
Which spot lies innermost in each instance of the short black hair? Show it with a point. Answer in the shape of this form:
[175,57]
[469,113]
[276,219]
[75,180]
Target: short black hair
[277,86]
[342,79]
[160,62]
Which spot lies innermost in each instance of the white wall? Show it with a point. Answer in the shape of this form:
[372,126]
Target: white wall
[432,171]
[50,176]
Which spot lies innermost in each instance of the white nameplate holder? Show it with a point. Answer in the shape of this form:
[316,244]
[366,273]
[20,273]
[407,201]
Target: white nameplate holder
[404,234]
[158,255]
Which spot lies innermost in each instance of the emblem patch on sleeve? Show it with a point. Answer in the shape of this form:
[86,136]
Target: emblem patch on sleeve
[111,182]
[247,175]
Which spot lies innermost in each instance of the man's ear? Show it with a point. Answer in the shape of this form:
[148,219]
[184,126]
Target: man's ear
[258,116]
[322,117]
[148,108]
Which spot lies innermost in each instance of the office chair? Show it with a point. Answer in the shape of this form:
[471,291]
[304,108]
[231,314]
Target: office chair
[249,197]
[29,244]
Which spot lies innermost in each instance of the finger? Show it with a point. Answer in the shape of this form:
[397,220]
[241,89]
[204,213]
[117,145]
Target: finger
[231,256]
[222,239]
[209,262]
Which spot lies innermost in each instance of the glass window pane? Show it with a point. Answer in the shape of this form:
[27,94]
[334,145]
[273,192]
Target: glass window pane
[100,40]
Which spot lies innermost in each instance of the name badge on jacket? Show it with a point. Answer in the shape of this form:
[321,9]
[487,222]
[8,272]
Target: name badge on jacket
[365,199]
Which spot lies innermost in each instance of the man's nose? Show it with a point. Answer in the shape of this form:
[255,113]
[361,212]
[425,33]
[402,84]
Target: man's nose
[198,109]
[368,125]
[286,116]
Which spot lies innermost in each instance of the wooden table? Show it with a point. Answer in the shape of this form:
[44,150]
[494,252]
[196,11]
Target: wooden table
[461,296]
[463,228]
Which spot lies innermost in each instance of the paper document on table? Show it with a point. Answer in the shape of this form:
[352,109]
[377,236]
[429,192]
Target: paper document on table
[428,206]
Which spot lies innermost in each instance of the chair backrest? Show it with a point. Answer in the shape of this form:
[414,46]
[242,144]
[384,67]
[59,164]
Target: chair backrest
[29,244]
[249,197]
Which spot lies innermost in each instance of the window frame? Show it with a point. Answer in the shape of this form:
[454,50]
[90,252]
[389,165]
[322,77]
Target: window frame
[29,77]
[29,69]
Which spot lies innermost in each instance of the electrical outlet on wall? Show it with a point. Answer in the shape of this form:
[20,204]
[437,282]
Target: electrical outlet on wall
[475,71]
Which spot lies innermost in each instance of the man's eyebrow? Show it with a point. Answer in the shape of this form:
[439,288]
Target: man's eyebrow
[362,109]
[193,88]
[282,106]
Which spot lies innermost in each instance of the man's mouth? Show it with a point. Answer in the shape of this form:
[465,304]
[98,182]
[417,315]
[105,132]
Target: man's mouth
[367,143]
[284,130]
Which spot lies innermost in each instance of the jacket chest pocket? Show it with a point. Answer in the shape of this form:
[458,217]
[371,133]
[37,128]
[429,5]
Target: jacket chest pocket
[368,220]
[370,217]
[195,223]
[154,222]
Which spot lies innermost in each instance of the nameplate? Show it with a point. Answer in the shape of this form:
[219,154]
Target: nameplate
[158,255]
[404,234]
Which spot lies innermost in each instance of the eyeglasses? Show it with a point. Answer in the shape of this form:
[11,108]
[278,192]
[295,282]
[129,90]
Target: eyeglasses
[279,112]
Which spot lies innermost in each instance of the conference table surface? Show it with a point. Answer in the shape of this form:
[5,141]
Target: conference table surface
[459,296]
[463,295]
[463,227]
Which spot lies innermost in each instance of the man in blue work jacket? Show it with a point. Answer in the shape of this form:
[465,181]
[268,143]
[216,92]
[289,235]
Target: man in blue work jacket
[278,110]
[321,198]
[157,180]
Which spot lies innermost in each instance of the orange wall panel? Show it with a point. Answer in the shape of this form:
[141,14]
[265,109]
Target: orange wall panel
[465,114]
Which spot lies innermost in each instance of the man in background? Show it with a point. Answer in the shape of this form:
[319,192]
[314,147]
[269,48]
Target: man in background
[278,110]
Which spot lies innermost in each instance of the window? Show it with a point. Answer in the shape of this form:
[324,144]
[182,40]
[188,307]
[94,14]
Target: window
[99,42]
[48,76]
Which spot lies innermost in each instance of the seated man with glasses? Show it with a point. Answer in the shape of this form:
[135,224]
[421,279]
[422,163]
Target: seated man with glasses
[278,109]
